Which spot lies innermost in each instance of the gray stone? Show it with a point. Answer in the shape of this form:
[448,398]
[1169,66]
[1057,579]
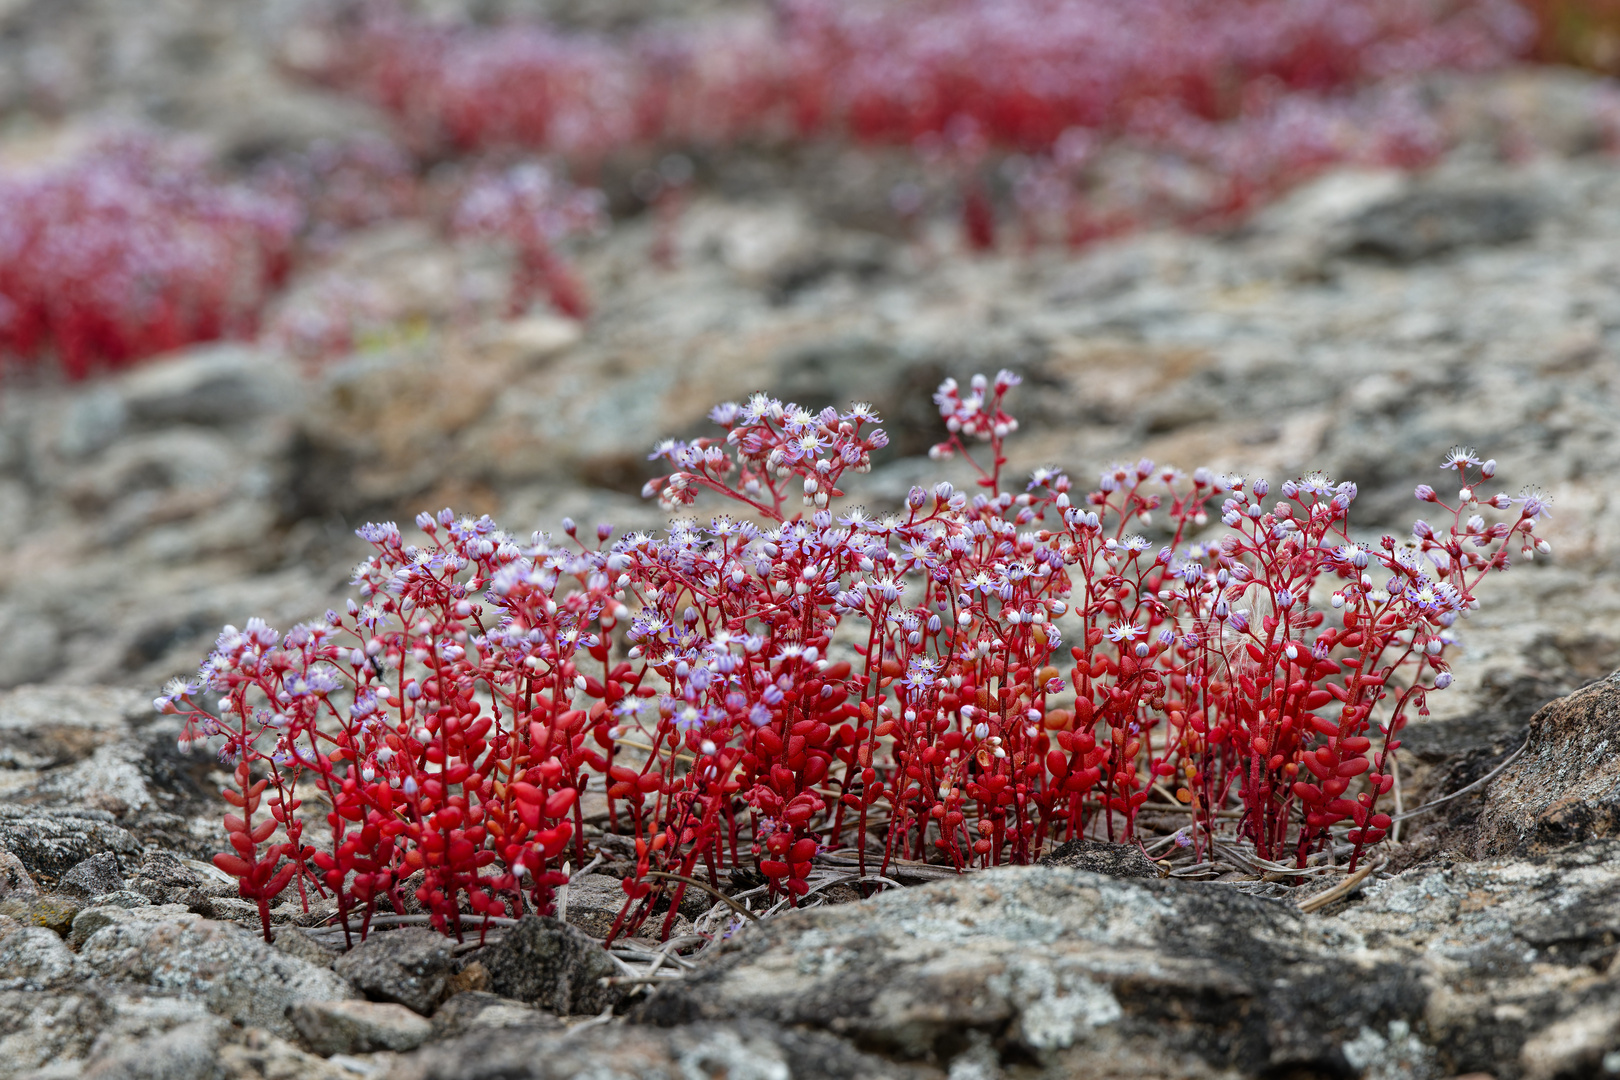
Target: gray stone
[1426,222]
[163,878]
[235,974]
[745,1050]
[95,876]
[294,941]
[1099,857]
[109,779]
[33,645]
[187,1052]
[35,958]
[475,1009]
[1501,966]
[211,385]
[1063,967]
[90,423]
[14,879]
[410,966]
[50,842]
[122,898]
[1516,953]
[552,965]
[87,920]
[1565,787]
[50,1028]
[358,1027]
[92,1027]
[594,901]
[42,727]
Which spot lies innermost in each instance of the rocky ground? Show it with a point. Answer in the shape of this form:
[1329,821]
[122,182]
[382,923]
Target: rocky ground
[1361,328]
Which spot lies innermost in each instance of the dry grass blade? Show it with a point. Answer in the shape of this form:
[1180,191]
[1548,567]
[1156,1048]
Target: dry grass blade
[716,893]
[1338,892]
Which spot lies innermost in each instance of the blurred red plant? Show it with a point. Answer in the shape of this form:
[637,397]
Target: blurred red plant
[135,247]
[339,185]
[754,691]
[1256,94]
[527,207]
[131,249]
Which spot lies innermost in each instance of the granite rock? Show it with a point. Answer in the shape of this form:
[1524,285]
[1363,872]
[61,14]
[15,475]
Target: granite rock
[234,974]
[358,1027]
[409,966]
[1565,787]
[552,965]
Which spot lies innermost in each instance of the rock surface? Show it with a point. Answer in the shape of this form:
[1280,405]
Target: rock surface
[1565,787]
[750,1050]
[49,843]
[223,966]
[358,1027]
[1114,860]
[95,876]
[553,965]
[409,966]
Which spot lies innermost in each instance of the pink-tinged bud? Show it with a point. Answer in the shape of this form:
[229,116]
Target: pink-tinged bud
[1488,469]
[1425,493]
[1442,680]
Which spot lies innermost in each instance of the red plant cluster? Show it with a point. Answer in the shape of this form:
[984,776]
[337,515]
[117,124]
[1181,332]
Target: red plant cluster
[1252,94]
[135,248]
[961,681]
[131,249]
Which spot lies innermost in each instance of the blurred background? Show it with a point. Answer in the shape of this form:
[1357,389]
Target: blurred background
[269,270]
